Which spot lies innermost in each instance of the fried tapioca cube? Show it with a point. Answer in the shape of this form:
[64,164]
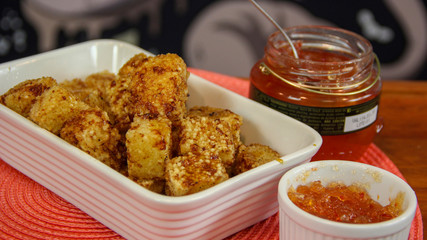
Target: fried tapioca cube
[92,132]
[235,121]
[77,87]
[96,81]
[120,95]
[84,93]
[132,65]
[100,81]
[150,85]
[193,173]
[92,90]
[54,107]
[22,96]
[252,156]
[149,145]
[200,134]
[154,185]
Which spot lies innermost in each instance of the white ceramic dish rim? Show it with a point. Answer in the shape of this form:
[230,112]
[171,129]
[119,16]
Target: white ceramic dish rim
[325,226]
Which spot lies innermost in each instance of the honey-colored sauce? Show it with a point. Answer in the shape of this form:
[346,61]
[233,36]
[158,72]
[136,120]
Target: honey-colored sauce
[340,203]
[317,55]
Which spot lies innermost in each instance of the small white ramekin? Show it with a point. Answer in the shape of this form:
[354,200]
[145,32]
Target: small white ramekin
[296,224]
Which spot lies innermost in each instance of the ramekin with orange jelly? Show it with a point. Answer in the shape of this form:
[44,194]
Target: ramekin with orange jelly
[345,185]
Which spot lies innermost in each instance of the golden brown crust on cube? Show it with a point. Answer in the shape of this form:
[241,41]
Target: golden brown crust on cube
[227,115]
[252,156]
[205,135]
[193,173]
[77,87]
[154,185]
[54,107]
[92,132]
[92,90]
[210,129]
[132,65]
[100,81]
[22,96]
[148,143]
[154,85]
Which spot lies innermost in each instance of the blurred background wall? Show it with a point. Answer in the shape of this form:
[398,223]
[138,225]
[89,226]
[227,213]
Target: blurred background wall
[225,36]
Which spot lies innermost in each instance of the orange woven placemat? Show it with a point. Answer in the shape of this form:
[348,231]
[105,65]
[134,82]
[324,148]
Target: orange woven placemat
[30,211]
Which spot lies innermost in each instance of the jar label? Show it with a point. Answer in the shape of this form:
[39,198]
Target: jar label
[326,121]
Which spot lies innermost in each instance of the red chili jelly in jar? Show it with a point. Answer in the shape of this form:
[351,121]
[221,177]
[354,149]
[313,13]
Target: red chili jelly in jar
[333,86]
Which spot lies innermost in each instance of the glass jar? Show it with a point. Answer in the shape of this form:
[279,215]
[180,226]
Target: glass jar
[333,86]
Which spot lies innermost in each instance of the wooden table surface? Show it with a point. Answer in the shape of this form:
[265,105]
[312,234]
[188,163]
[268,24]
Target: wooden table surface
[403,139]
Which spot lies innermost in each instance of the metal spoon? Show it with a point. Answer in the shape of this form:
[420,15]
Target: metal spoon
[277,26]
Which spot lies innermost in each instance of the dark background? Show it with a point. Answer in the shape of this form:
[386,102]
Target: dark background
[21,23]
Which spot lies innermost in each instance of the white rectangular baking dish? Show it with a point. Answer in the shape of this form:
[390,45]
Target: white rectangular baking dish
[119,203]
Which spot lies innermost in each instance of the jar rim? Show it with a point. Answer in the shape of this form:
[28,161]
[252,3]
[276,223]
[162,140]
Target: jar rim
[348,66]
[334,39]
